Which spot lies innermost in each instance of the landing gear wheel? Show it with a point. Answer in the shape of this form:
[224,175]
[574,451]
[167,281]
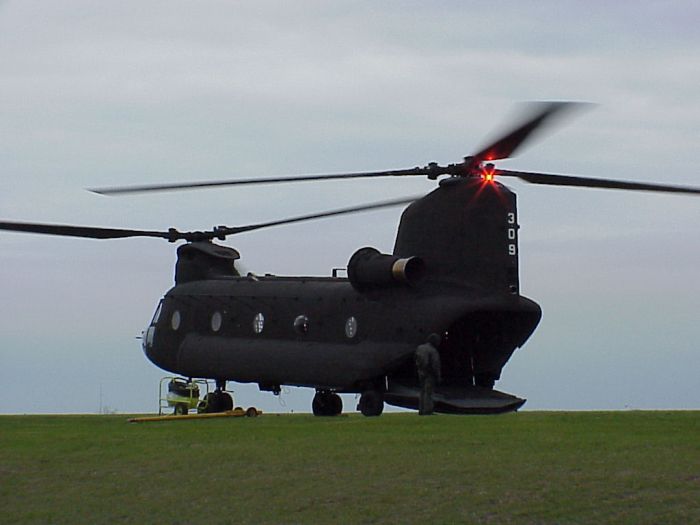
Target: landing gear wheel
[181,409]
[318,405]
[336,404]
[216,401]
[326,404]
[226,402]
[211,403]
[371,403]
[251,412]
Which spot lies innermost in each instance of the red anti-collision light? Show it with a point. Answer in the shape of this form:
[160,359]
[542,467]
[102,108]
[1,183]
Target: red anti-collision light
[488,172]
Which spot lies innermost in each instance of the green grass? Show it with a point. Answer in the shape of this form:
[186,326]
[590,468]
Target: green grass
[598,467]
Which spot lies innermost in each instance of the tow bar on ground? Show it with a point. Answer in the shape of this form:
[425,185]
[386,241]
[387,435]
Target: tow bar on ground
[237,412]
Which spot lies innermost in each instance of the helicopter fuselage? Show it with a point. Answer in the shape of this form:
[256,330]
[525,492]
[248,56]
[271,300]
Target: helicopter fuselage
[322,333]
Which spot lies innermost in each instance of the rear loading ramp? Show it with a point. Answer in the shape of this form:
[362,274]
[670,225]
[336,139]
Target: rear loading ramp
[456,400]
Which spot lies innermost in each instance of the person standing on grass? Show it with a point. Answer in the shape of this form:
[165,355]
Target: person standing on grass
[428,367]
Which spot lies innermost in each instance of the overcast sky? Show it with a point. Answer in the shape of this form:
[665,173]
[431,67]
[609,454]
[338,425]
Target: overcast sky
[99,93]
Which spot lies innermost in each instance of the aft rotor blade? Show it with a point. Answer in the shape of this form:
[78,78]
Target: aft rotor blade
[321,215]
[588,182]
[120,190]
[88,232]
[541,115]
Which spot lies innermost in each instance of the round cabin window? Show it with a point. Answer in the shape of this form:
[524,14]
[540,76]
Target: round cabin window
[175,320]
[216,321]
[301,325]
[350,327]
[258,323]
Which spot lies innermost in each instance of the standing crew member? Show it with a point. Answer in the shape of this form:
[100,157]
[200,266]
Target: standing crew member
[428,367]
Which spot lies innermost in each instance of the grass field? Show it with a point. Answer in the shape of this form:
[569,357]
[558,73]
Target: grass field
[532,467]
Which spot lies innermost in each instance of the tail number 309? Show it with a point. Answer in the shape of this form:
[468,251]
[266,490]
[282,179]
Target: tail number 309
[512,246]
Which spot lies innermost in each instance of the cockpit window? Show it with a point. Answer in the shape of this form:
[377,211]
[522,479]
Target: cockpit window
[156,315]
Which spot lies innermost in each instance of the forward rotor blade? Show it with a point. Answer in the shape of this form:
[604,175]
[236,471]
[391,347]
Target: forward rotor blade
[332,213]
[120,190]
[88,232]
[172,235]
[540,115]
[587,182]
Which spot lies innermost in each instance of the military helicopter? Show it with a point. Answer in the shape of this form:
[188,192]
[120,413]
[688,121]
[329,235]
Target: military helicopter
[453,271]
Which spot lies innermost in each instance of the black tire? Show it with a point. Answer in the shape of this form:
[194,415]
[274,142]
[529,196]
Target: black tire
[212,403]
[318,405]
[251,412]
[336,405]
[226,402]
[217,401]
[371,403]
[326,404]
[181,409]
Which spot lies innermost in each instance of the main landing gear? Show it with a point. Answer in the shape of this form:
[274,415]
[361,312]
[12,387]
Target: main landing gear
[371,403]
[326,403]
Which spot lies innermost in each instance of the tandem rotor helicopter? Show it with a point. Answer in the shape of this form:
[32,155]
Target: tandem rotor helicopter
[453,271]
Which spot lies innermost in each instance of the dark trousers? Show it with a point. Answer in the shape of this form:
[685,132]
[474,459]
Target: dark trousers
[425,402]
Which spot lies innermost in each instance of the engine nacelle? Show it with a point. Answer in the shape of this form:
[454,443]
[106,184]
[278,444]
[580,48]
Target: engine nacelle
[368,269]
